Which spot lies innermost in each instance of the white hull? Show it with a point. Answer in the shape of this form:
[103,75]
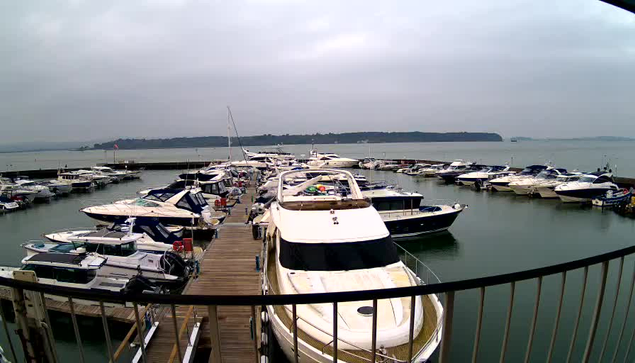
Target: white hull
[502,188]
[567,199]
[521,189]
[546,193]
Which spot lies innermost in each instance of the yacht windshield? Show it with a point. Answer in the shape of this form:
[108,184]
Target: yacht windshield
[144,203]
[587,179]
[340,256]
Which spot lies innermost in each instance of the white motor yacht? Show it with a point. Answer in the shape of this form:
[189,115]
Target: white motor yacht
[486,173]
[71,270]
[330,239]
[57,187]
[454,169]
[183,208]
[123,259]
[415,169]
[430,171]
[368,163]
[501,184]
[546,188]
[15,192]
[586,188]
[42,193]
[526,186]
[114,175]
[79,182]
[330,160]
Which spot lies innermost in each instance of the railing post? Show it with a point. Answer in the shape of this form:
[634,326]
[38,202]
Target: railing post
[557,322]
[104,321]
[577,321]
[617,295]
[411,332]
[335,316]
[508,321]
[294,314]
[447,327]
[215,357]
[78,336]
[176,333]
[628,309]
[479,322]
[255,320]
[534,320]
[142,339]
[596,313]
[6,330]
[374,332]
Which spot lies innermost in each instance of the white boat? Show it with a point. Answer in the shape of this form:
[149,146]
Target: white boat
[123,259]
[324,240]
[430,171]
[368,163]
[182,208]
[589,186]
[79,182]
[153,237]
[7,205]
[115,175]
[455,169]
[15,192]
[76,271]
[415,169]
[99,180]
[404,215]
[485,174]
[42,193]
[526,186]
[330,160]
[546,188]
[501,184]
[58,187]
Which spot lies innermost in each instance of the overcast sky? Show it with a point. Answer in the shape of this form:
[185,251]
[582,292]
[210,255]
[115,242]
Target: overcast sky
[92,70]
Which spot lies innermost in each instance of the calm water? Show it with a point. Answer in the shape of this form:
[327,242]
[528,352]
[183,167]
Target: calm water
[568,154]
[498,233]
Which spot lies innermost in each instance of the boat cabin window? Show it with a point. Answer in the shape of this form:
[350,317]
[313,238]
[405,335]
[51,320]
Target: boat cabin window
[124,250]
[145,203]
[338,256]
[602,179]
[587,179]
[387,204]
[191,203]
[61,274]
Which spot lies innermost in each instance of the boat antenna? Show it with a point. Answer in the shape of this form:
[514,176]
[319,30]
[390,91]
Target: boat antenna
[229,138]
[231,117]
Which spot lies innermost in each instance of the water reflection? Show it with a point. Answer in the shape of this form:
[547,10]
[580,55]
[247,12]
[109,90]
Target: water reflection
[437,244]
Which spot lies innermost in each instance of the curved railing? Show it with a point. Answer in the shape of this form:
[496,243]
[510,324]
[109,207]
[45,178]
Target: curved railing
[447,288]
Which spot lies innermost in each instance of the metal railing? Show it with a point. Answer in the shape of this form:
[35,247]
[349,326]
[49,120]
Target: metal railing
[593,343]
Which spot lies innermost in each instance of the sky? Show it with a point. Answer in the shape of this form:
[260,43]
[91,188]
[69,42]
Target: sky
[96,70]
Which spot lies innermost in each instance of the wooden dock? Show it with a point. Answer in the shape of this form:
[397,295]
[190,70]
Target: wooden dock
[228,267]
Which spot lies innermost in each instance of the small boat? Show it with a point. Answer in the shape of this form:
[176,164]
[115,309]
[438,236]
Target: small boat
[368,163]
[588,187]
[430,171]
[42,193]
[16,193]
[456,168]
[74,270]
[114,175]
[7,205]
[612,198]
[405,217]
[414,169]
[57,187]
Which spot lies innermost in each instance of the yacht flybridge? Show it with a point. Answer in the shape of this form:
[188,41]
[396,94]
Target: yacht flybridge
[324,236]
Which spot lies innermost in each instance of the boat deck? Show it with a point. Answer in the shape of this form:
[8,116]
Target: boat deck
[228,267]
[356,356]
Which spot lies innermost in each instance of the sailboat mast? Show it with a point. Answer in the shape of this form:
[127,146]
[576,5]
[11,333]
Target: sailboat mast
[229,138]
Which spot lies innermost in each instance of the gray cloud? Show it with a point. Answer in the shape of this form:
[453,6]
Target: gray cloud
[80,70]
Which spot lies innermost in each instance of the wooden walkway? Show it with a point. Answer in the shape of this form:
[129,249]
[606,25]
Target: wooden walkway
[228,267]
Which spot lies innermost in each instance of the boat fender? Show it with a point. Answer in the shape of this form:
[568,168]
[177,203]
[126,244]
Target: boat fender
[264,359]
[263,338]
[178,246]
[264,317]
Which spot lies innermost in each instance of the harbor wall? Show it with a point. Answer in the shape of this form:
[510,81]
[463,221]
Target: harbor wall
[625,182]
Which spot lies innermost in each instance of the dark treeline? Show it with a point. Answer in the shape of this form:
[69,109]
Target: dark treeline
[268,139]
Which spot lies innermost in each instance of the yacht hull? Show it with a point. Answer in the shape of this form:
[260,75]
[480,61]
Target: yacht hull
[579,195]
[121,219]
[501,187]
[546,192]
[521,189]
[417,225]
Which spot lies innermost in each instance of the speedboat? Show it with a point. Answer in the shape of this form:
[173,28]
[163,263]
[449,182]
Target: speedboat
[114,175]
[153,237]
[123,259]
[546,188]
[415,169]
[73,270]
[368,163]
[182,208]
[502,184]
[458,167]
[486,173]
[612,198]
[42,193]
[79,182]
[526,186]
[589,186]
[327,239]
[7,205]
[330,160]
[15,192]
[404,215]
[57,187]
[430,171]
